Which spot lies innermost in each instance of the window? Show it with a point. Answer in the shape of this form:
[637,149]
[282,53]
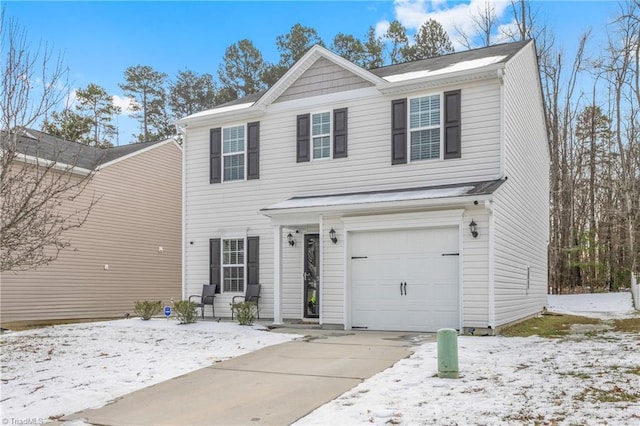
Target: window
[424,125]
[233,265]
[321,134]
[233,152]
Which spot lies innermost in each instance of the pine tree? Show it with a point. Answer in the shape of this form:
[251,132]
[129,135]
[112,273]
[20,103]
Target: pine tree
[396,35]
[349,48]
[431,40]
[191,93]
[374,50]
[97,105]
[146,87]
[241,69]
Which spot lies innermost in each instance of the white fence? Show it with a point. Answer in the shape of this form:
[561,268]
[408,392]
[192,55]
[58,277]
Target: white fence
[635,290]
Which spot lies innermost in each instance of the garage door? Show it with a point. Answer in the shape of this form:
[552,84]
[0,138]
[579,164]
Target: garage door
[405,280]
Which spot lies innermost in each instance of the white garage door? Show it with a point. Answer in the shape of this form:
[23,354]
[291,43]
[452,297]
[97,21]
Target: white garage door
[405,280]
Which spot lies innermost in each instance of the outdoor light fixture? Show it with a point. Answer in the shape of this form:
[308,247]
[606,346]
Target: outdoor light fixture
[332,236]
[290,239]
[473,227]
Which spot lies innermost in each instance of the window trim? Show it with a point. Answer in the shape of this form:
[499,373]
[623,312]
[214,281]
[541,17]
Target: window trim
[244,152]
[223,265]
[440,126]
[329,134]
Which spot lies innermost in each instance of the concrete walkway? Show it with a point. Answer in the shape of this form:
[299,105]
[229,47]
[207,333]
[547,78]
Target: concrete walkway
[275,385]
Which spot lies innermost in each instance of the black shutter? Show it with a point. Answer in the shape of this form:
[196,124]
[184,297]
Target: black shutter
[215,155]
[253,257]
[399,131]
[340,133]
[452,124]
[253,150]
[303,138]
[214,263]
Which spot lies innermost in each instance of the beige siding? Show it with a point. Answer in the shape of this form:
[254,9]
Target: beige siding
[522,203]
[368,167]
[138,212]
[322,78]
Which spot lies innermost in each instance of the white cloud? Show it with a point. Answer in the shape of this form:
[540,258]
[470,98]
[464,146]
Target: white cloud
[455,17]
[382,27]
[124,103]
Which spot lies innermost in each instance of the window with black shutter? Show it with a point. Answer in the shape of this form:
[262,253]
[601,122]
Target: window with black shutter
[215,155]
[340,133]
[452,147]
[399,131]
[253,150]
[303,138]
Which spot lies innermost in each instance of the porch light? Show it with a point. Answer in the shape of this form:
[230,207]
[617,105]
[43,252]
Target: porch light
[332,236]
[473,227]
[290,240]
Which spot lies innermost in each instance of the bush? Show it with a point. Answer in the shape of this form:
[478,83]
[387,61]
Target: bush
[147,309]
[245,312]
[186,311]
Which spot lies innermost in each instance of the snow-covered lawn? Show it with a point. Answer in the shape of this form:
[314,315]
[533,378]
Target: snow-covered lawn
[577,380]
[66,368]
[580,379]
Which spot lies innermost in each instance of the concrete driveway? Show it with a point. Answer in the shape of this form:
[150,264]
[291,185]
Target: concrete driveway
[275,385]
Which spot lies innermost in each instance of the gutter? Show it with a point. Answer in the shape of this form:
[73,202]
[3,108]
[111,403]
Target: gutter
[29,159]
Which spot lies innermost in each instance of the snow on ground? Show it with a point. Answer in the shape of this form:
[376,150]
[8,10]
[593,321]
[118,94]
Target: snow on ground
[580,379]
[596,305]
[67,368]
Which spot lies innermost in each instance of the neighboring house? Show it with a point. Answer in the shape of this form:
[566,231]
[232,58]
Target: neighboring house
[129,248]
[349,194]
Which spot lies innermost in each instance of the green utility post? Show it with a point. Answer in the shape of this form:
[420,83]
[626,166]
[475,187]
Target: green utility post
[447,353]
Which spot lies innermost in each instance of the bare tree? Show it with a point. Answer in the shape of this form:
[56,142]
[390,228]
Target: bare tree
[38,190]
[622,68]
[485,21]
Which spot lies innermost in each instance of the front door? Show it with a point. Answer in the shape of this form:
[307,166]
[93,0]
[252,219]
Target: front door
[311,275]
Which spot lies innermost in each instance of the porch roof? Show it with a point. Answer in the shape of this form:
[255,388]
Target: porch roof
[406,197]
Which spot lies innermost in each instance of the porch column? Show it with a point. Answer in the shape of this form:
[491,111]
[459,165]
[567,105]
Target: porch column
[277,274]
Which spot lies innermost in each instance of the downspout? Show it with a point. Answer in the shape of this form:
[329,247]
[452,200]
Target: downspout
[277,274]
[320,296]
[488,205]
[500,72]
[183,131]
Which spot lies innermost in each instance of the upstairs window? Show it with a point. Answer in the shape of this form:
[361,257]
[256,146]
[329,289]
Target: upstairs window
[425,127]
[321,135]
[233,265]
[233,152]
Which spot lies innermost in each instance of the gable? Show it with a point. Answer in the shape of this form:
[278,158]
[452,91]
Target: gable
[322,78]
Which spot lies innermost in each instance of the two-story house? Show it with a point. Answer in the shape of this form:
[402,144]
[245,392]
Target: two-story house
[408,197]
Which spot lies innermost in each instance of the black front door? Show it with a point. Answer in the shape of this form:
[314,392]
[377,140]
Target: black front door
[311,275]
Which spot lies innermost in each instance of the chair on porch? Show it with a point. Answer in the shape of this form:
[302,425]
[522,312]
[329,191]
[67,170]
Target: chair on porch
[251,295]
[207,298]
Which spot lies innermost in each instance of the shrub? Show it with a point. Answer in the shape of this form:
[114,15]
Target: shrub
[186,311]
[245,312]
[147,309]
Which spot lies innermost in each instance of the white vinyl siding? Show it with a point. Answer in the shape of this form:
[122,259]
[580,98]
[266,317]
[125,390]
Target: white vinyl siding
[321,135]
[424,125]
[522,204]
[233,265]
[233,152]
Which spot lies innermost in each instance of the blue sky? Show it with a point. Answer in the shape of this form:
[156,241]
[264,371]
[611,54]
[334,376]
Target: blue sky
[101,39]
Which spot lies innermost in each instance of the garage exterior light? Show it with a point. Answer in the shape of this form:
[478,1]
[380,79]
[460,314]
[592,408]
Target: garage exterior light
[473,227]
[332,236]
